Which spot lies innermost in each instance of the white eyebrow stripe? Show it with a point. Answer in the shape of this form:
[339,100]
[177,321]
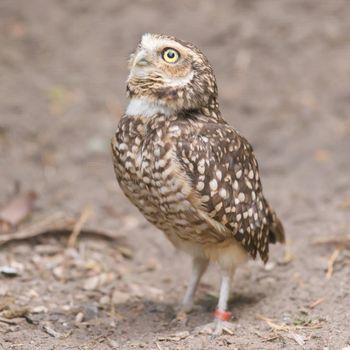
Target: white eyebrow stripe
[146,108]
[153,43]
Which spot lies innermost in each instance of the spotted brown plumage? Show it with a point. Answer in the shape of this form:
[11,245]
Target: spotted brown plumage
[190,173]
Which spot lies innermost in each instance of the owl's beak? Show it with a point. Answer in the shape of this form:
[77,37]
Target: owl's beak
[141,59]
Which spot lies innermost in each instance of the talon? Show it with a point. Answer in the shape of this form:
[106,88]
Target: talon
[216,328]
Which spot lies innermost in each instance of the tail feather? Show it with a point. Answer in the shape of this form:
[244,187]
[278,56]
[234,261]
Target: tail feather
[276,233]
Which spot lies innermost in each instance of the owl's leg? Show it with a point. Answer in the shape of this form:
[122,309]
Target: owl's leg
[199,265]
[221,315]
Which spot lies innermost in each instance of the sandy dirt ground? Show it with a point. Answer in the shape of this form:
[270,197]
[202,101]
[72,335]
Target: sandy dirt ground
[283,70]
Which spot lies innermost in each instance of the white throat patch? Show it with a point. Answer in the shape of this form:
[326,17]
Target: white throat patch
[146,108]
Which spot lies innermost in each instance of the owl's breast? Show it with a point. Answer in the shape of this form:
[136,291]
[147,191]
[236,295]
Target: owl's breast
[148,173]
[127,148]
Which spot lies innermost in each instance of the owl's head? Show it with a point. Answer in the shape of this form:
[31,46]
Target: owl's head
[172,73]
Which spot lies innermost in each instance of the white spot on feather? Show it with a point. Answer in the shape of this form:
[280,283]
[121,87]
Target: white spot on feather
[222,193]
[213,185]
[200,186]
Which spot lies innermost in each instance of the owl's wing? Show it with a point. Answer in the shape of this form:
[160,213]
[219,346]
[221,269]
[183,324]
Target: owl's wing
[224,176]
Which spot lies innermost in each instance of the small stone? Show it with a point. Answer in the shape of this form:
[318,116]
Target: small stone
[91,283]
[270,266]
[119,297]
[89,311]
[41,309]
[9,271]
[105,300]
[79,317]
[58,272]
[113,344]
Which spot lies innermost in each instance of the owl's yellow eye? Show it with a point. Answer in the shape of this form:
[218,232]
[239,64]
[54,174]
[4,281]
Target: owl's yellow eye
[170,55]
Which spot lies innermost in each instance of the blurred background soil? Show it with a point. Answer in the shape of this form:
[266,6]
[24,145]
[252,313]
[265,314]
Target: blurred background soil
[283,75]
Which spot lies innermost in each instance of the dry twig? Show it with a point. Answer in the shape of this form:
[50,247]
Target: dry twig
[280,327]
[265,338]
[52,223]
[340,241]
[78,226]
[272,324]
[288,330]
[13,321]
[158,346]
[331,262]
[315,303]
[56,224]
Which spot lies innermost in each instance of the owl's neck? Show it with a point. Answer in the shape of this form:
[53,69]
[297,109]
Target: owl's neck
[148,108]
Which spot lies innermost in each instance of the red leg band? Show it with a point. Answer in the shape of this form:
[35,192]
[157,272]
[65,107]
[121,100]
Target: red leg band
[222,315]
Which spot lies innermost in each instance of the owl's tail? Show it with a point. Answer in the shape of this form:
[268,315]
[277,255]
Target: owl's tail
[276,233]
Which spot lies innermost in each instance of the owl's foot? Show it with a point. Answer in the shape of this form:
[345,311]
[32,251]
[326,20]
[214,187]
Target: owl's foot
[220,325]
[216,328]
[186,308]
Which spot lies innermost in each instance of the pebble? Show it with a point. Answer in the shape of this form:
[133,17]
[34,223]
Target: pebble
[9,271]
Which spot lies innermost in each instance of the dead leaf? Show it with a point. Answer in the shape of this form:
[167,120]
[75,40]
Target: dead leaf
[299,339]
[6,301]
[18,208]
[15,311]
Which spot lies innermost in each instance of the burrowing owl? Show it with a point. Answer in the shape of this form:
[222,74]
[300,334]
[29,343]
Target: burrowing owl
[190,173]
